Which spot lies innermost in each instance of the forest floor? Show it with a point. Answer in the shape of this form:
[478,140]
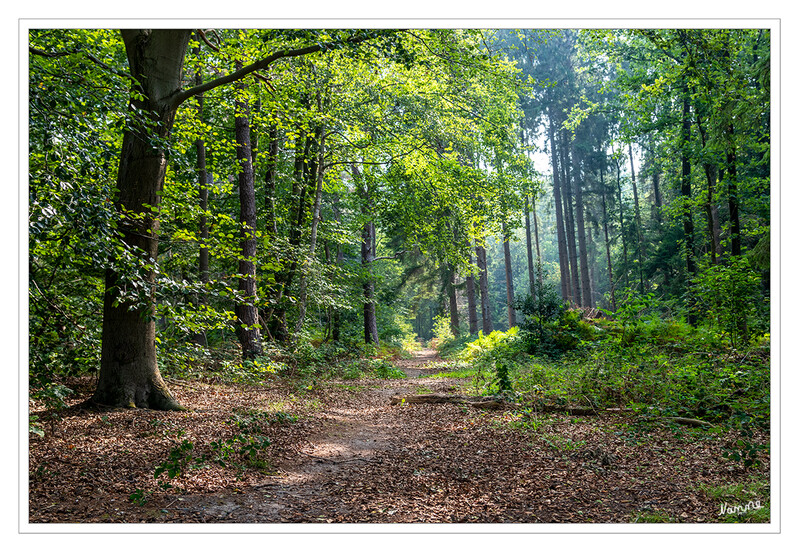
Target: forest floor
[342,453]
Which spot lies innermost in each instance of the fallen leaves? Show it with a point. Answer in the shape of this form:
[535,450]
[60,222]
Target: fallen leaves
[352,457]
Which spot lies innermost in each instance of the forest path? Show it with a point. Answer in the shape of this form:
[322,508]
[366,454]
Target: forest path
[355,434]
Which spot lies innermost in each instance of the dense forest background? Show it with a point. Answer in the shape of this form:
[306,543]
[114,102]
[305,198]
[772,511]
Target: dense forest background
[358,191]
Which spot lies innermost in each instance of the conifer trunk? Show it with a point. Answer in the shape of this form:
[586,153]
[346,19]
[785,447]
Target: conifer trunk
[563,258]
[471,299]
[488,324]
[508,276]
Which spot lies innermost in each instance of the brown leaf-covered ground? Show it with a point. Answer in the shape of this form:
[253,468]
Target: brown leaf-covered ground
[349,456]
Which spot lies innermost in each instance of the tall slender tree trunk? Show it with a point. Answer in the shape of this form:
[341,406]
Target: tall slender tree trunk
[339,262]
[585,276]
[454,320]
[685,192]
[568,211]
[528,235]
[563,257]
[202,177]
[471,299]
[621,225]
[247,311]
[270,180]
[369,306]
[638,227]
[537,245]
[488,324]
[368,243]
[315,218]
[685,186]
[657,196]
[607,237]
[732,192]
[508,276]
[129,375]
[276,318]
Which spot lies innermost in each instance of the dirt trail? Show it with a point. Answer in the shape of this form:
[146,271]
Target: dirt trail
[354,435]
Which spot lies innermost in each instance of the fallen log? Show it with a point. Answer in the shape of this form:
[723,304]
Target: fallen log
[438,398]
[488,403]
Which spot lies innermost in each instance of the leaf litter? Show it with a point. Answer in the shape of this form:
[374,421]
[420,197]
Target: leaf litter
[342,453]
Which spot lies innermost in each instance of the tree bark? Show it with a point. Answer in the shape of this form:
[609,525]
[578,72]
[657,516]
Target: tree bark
[315,218]
[685,186]
[568,211]
[607,237]
[247,311]
[621,225]
[508,276]
[528,236]
[454,320]
[732,192]
[638,227]
[585,276]
[368,242]
[537,246]
[563,257]
[129,374]
[202,177]
[471,299]
[488,324]
[369,307]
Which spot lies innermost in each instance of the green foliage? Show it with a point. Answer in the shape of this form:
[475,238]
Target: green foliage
[496,352]
[549,328]
[729,297]
[744,450]
[180,459]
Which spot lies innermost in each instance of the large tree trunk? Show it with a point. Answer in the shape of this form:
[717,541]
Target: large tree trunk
[508,276]
[246,312]
[368,253]
[129,374]
[488,324]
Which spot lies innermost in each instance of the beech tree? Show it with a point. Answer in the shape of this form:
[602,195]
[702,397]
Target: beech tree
[129,374]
